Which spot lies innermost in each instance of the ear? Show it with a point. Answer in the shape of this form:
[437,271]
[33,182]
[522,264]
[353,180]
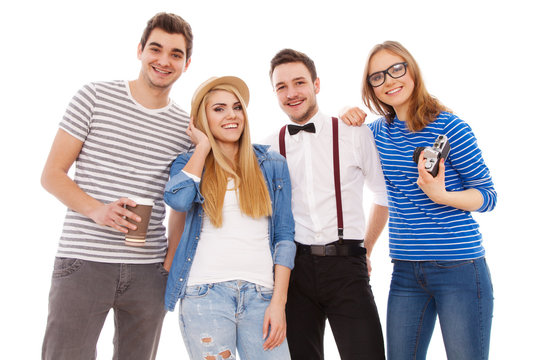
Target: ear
[139,51]
[187,64]
[317,85]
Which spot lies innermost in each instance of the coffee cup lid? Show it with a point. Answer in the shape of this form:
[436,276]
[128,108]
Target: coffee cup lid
[143,201]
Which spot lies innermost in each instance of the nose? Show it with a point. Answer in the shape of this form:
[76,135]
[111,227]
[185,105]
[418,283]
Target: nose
[231,114]
[291,92]
[388,80]
[163,58]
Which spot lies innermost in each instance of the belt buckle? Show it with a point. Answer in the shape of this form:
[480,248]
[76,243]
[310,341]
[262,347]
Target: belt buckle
[318,250]
[331,249]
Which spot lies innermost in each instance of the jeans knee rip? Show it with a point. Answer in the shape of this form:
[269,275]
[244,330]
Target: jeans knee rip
[222,355]
[206,339]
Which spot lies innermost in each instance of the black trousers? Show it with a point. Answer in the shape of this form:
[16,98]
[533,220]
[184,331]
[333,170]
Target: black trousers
[334,288]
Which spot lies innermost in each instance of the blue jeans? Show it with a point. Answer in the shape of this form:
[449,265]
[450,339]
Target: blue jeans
[216,319]
[459,292]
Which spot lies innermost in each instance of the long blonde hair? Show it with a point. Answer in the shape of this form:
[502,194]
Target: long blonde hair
[253,195]
[423,108]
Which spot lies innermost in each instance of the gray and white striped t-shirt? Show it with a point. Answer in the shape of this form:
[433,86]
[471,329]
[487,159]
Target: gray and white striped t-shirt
[127,152]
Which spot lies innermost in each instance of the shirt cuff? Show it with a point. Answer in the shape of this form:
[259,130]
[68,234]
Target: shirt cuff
[192,177]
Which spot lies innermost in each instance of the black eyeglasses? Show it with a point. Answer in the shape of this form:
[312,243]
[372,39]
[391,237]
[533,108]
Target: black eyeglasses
[395,71]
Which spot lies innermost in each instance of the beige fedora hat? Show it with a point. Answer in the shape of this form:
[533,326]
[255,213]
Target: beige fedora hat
[209,84]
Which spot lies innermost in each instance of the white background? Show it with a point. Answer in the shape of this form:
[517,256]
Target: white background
[480,58]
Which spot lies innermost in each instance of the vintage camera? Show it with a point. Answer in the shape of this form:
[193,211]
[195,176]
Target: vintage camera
[440,149]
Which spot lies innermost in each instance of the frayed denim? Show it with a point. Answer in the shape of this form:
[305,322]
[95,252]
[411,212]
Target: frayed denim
[217,319]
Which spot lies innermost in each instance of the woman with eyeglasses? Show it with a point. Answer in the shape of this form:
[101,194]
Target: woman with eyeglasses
[435,245]
[232,265]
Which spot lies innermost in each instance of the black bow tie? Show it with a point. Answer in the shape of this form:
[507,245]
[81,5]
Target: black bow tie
[294,129]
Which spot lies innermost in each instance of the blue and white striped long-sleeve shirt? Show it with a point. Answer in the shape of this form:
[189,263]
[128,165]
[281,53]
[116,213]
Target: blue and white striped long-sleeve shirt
[419,228]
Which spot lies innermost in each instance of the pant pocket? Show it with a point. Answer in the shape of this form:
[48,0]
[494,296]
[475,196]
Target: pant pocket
[162,270]
[452,263]
[197,291]
[264,293]
[64,267]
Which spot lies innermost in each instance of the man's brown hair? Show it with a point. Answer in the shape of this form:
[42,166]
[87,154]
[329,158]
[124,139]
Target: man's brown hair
[172,24]
[286,56]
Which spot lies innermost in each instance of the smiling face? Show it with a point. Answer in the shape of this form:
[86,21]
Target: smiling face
[163,59]
[295,90]
[394,92]
[225,116]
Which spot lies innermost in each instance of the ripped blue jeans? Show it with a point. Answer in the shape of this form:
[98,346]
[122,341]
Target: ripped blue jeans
[217,319]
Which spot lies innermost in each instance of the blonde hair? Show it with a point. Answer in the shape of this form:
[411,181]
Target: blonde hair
[253,196]
[423,108]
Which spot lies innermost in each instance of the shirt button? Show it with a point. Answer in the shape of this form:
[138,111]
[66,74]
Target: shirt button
[181,279]
[189,259]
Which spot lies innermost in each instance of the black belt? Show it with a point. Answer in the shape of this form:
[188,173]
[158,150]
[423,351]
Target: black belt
[348,248]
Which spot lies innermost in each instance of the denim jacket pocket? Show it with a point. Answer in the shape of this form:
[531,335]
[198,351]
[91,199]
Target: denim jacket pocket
[197,291]
[278,184]
[65,266]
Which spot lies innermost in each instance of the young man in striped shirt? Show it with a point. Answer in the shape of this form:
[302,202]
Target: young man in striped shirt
[122,135]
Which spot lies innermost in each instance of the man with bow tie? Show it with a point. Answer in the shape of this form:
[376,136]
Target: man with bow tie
[329,163]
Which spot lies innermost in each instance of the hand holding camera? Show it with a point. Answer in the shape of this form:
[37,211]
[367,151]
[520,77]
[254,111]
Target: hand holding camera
[433,154]
[430,180]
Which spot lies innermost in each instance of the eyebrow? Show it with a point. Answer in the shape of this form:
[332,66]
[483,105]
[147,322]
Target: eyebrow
[388,68]
[223,104]
[153,43]
[293,80]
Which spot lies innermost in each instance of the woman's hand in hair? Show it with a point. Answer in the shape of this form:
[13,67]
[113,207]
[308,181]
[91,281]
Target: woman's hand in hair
[197,136]
[195,164]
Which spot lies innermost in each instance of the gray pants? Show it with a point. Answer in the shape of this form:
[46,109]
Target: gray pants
[82,293]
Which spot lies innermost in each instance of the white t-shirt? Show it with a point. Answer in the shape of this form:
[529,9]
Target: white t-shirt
[238,250]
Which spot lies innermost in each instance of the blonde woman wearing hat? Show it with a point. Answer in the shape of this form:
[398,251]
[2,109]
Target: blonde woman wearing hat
[232,265]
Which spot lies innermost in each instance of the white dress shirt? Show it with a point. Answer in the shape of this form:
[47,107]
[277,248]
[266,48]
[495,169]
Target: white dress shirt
[310,161]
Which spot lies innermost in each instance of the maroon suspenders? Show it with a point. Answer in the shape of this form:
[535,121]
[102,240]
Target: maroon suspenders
[282,141]
[337,179]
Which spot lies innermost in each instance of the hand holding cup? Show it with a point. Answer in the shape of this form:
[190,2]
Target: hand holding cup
[143,209]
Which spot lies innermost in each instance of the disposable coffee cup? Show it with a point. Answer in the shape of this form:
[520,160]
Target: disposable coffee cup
[144,210]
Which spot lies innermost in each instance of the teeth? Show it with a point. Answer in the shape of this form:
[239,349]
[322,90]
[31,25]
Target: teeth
[161,71]
[393,91]
[230,126]
[295,103]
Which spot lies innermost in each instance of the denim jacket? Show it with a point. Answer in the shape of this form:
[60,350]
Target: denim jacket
[182,194]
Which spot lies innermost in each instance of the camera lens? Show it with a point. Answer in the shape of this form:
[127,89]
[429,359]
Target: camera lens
[417,152]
